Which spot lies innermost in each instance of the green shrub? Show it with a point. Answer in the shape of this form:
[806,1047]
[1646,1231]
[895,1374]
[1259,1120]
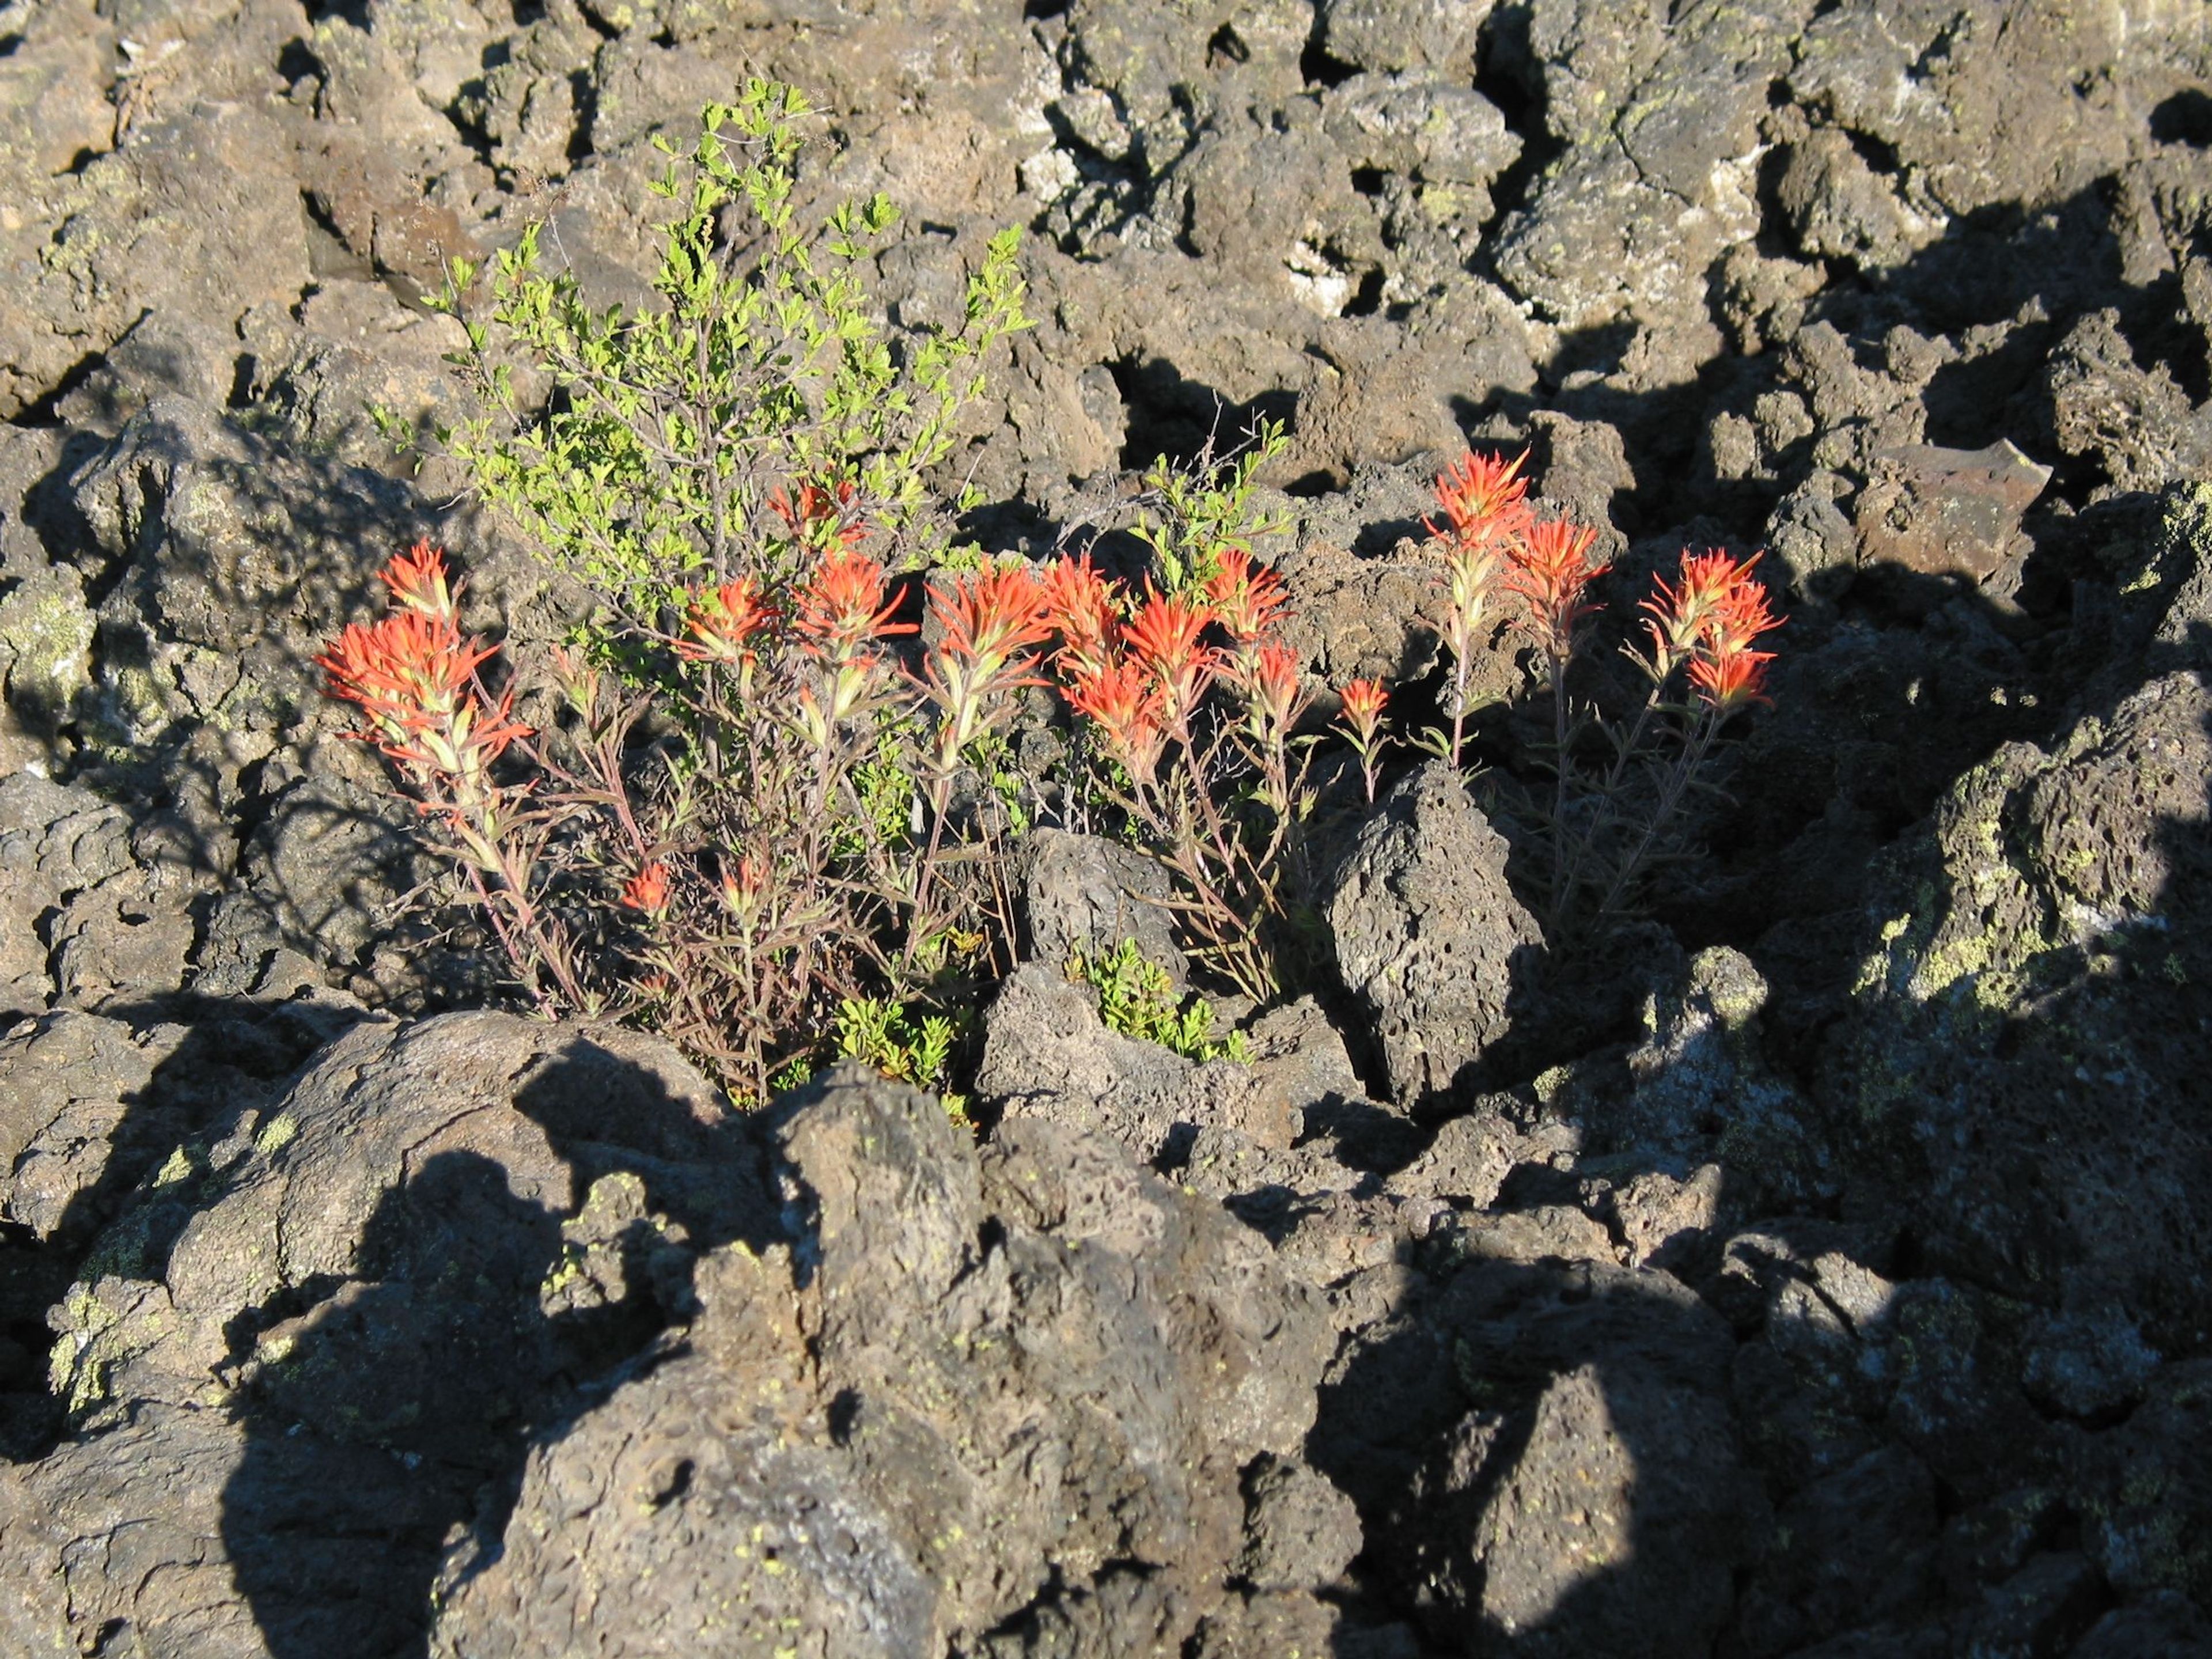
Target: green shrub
[736,476]
[654,467]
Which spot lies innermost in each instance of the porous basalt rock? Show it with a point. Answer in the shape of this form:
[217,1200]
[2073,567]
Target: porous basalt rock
[1428,934]
[967,1393]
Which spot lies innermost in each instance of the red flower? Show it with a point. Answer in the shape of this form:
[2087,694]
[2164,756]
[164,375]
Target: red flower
[1248,599]
[418,580]
[410,672]
[1728,681]
[1364,701]
[414,679]
[990,619]
[1740,615]
[1361,722]
[723,622]
[1551,567]
[1712,588]
[743,887]
[1164,639]
[1483,498]
[1123,699]
[1713,615]
[990,616]
[1269,676]
[820,518]
[844,604]
[647,891]
[1080,608]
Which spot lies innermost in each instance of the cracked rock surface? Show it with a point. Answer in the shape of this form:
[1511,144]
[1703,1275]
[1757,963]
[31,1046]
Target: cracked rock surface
[1809,1262]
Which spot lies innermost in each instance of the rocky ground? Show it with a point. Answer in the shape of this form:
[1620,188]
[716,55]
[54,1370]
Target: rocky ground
[1821,1272]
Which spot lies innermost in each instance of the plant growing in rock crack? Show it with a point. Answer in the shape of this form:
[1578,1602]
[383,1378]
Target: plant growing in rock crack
[415,682]
[734,477]
[904,1048]
[1604,823]
[761,381]
[1136,998]
[1207,507]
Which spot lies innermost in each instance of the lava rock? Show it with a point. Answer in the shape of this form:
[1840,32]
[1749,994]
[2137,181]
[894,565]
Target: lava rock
[1429,937]
[968,1391]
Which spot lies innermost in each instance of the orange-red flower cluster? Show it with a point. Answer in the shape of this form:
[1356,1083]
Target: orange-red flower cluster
[1485,500]
[413,676]
[1492,537]
[1361,722]
[743,887]
[1167,637]
[1248,599]
[1551,567]
[647,891]
[991,620]
[1364,701]
[1713,615]
[1267,675]
[1079,606]
[722,623]
[1123,700]
[846,603]
[1140,677]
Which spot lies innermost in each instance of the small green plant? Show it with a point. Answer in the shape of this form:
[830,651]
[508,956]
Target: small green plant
[1207,507]
[1136,998]
[684,436]
[903,1047]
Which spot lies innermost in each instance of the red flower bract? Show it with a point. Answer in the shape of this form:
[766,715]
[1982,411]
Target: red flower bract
[1247,598]
[1079,606]
[1713,615]
[1124,701]
[408,672]
[1715,591]
[843,605]
[1726,683]
[1269,676]
[989,616]
[1364,701]
[418,580]
[1485,499]
[990,620]
[1163,638]
[723,622]
[1551,567]
[647,891]
[819,516]
[413,678]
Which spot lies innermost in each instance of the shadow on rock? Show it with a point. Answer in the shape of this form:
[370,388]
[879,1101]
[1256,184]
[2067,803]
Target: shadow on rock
[366,1305]
[488,1297]
[1545,1457]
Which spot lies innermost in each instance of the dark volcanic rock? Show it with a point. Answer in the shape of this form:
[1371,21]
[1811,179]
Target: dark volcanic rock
[1429,936]
[1816,1269]
[2033,993]
[1580,1489]
[968,1394]
[343,1319]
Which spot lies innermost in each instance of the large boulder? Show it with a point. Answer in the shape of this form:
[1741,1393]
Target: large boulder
[2033,1016]
[343,1318]
[968,1395]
